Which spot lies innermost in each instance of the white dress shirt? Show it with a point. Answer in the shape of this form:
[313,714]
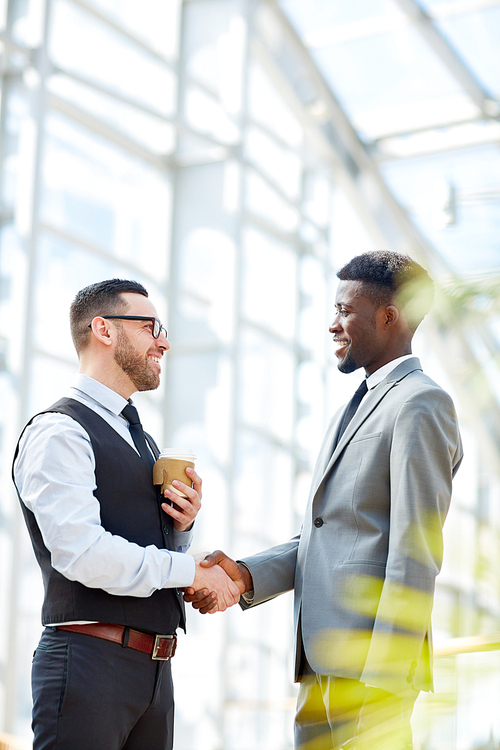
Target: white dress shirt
[376,377]
[55,476]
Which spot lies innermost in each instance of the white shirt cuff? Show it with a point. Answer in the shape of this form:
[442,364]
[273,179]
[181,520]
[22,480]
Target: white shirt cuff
[182,570]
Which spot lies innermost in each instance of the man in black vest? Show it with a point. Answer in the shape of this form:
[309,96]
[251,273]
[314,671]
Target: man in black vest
[110,547]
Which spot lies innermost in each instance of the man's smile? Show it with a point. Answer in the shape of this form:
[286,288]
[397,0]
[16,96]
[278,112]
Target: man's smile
[340,345]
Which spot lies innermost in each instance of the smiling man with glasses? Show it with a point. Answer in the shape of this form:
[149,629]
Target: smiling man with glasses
[111,548]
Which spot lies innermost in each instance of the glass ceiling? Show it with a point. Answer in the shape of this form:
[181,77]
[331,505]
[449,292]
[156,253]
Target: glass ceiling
[419,83]
[398,67]
[408,97]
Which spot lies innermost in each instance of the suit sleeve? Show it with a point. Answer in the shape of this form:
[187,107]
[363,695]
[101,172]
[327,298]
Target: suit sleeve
[273,571]
[425,453]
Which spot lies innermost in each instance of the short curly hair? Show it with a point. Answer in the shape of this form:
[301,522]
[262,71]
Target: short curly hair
[393,278]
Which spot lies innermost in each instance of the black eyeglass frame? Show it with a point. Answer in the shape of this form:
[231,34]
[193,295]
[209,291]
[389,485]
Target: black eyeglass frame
[157,326]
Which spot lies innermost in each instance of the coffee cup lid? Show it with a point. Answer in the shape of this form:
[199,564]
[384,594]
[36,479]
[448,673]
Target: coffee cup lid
[185,454]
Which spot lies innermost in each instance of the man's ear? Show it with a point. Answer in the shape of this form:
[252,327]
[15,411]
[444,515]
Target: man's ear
[103,331]
[392,315]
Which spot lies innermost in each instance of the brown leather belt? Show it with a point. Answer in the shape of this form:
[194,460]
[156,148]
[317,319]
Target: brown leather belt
[159,647]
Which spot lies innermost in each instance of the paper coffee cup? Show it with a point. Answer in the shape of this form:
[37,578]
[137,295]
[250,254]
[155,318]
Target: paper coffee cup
[172,464]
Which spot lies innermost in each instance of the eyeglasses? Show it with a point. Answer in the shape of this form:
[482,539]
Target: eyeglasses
[156,329]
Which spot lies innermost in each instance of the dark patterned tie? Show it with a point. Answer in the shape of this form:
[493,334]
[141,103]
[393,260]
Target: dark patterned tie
[137,433]
[351,408]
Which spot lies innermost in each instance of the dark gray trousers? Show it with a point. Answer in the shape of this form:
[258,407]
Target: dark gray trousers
[90,694]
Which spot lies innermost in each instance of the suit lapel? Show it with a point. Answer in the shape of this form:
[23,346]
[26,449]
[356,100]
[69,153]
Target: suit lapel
[328,456]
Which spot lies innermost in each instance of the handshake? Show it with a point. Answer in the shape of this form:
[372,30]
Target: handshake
[218,583]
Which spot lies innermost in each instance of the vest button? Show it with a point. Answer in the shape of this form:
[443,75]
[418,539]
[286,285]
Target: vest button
[165,529]
[318,522]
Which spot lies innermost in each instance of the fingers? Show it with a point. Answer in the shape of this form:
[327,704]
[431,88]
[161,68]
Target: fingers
[195,479]
[218,583]
[236,571]
[184,510]
[214,558]
[203,600]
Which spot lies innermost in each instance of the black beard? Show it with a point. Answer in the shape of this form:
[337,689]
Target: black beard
[348,364]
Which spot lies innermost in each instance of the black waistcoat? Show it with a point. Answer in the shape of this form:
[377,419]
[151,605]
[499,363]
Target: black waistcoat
[130,508]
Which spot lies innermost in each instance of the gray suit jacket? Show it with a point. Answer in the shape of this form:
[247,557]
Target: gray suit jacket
[363,567]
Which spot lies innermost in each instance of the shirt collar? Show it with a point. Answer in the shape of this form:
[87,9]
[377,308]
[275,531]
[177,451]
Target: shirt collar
[109,399]
[376,377]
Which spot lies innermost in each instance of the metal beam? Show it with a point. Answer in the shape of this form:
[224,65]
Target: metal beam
[488,107]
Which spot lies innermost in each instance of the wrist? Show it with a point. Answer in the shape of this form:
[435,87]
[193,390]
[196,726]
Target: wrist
[246,576]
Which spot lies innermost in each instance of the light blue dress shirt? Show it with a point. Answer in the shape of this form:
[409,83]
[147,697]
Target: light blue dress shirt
[55,476]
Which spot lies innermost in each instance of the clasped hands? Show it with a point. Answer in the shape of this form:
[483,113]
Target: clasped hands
[218,583]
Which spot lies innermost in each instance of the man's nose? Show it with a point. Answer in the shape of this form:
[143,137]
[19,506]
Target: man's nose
[335,326]
[163,342]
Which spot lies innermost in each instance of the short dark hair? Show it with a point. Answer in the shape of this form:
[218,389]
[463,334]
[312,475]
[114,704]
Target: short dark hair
[102,298]
[393,278]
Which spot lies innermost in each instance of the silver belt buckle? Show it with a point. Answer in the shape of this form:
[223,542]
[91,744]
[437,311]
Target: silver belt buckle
[159,639]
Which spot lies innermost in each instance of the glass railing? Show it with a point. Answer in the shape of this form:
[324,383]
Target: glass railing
[464,711]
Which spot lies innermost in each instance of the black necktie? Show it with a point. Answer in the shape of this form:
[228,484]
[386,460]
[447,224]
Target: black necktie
[351,408]
[137,433]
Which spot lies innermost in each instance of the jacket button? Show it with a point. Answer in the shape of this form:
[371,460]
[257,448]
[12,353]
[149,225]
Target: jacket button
[165,529]
[409,679]
[414,664]
[318,522]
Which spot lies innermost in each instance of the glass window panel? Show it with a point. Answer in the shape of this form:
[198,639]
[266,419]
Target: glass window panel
[465,231]
[347,231]
[151,132]
[105,197]
[16,159]
[215,46]
[267,203]
[206,115]
[270,283]
[476,35]
[13,279]
[314,317]
[53,379]
[263,471]
[279,164]
[207,273]
[317,198]
[392,81]
[84,44]
[267,384]
[316,14]
[266,106]
[191,377]
[154,21]
[27,22]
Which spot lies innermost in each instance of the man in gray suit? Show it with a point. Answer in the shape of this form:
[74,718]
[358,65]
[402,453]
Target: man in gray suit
[364,565]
